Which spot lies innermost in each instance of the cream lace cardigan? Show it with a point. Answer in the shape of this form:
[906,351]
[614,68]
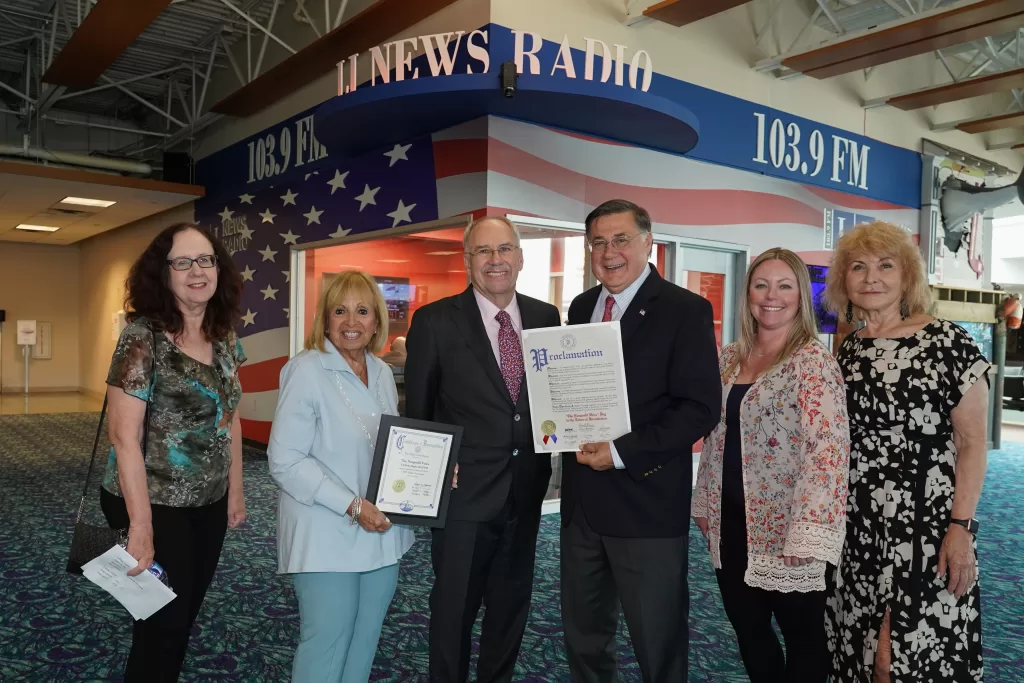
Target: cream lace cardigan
[796,455]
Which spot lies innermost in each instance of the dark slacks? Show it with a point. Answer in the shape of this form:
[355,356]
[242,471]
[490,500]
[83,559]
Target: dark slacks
[187,542]
[648,577]
[481,562]
[800,616]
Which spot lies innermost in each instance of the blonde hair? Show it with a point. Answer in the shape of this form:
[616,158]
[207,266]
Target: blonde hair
[343,284]
[883,240]
[803,329]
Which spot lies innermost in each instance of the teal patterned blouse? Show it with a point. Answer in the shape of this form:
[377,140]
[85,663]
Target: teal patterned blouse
[191,408]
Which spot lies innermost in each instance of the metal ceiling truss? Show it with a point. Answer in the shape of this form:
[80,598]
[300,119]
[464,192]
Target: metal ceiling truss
[158,88]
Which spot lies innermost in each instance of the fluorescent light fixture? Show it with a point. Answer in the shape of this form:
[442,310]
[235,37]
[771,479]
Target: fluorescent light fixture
[392,260]
[442,253]
[85,201]
[36,228]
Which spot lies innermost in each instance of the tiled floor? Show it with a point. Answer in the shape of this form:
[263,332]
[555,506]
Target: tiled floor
[72,402]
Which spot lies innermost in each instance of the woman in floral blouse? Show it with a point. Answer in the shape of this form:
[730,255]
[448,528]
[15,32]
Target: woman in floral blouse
[772,483]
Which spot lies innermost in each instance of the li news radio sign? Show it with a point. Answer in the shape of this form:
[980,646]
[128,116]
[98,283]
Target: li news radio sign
[733,132]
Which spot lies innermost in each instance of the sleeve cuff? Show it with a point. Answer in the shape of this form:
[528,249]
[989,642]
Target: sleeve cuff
[334,496]
[619,465]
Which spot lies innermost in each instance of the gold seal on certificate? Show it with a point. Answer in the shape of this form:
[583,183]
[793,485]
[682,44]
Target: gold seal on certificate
[577,384]
[410,479]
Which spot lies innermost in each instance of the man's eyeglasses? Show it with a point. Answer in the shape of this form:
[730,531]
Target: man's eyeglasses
[184,262]
[618,243]
[504,251]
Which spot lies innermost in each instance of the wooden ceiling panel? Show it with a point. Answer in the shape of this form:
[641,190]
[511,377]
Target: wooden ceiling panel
[1015,120]
[104,34]
[683,12]
[974,87]
[377,24]
[920,36]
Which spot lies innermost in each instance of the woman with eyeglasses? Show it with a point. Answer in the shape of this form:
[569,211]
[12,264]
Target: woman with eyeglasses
[173,390]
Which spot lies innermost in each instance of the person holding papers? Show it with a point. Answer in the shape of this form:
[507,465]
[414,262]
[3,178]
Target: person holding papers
[625,503]
[465,367]
[341,550]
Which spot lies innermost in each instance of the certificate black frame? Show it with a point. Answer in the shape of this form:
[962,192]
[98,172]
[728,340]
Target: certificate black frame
[377,468]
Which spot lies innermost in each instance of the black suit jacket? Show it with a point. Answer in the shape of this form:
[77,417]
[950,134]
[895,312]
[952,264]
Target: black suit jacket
[452,376]
[675,397]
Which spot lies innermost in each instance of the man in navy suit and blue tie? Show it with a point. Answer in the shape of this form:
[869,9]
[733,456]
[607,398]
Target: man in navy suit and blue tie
[626,504]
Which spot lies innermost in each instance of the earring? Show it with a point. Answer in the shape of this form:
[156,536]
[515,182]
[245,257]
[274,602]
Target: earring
[904,309]
[849,311]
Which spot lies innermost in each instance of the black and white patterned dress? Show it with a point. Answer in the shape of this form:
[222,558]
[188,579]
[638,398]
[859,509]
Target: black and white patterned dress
[900,393]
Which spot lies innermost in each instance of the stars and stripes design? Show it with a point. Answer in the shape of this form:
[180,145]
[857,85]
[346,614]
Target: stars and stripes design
[494,166]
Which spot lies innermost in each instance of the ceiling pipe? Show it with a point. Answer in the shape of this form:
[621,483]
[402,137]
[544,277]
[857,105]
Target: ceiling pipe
[74,159]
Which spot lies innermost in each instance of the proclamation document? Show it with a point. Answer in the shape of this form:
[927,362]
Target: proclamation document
[411,474]
[577,384]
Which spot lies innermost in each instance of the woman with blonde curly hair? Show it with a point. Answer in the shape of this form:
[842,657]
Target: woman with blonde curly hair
[906,606]
[771,486]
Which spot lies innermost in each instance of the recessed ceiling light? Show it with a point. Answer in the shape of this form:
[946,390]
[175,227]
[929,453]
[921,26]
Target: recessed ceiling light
[36,228]
[85,201]
[442,253]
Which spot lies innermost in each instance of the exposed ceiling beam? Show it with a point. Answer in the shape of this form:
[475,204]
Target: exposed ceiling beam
[104,34]
[373,26]
[1012,120]
[913,35]
[952,92]
[683,12]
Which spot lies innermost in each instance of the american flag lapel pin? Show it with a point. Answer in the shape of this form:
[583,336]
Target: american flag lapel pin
[643,312]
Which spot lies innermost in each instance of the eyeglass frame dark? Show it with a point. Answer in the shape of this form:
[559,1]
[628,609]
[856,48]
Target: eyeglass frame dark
[212,257]
[602,245]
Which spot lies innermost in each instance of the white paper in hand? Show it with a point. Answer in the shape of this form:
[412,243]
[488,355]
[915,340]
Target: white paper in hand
[141,595]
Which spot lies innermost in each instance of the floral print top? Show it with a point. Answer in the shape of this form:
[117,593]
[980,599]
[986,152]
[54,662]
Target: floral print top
[192,404]
[796,453]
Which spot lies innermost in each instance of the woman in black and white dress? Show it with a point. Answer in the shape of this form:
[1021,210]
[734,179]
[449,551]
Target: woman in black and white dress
[906,605]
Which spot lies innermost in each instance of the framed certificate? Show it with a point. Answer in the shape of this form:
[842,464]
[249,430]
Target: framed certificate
[411,475]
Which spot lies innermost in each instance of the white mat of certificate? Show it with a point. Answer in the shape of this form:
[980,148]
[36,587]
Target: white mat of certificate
[412,478]
[577,384]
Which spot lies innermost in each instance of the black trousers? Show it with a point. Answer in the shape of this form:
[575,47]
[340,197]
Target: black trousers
[648,577]
[800,616]
[481,562]
[187,544]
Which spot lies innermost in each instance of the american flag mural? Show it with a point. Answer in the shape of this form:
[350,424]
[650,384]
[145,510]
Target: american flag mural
[495,166]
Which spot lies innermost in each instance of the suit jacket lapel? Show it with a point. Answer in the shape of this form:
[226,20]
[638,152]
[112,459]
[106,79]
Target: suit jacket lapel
[472,327]
[634,316]
[588,300]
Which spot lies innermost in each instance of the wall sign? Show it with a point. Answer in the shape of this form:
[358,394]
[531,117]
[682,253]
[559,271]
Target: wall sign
[733,132]
[838,222]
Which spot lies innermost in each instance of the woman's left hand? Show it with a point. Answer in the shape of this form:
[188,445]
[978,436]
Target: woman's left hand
[236,509]
[791,561]
[957,556]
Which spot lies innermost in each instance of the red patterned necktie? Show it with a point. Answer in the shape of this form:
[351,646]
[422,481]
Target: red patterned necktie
[608,303]
[511,354]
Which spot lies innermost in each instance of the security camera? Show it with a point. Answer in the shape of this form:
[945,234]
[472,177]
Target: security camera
[509,77]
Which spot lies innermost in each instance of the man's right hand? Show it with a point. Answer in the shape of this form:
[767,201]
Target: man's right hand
[140,546]
[702,524]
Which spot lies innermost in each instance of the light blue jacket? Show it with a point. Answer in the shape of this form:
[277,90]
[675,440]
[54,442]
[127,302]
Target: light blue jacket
[320,456]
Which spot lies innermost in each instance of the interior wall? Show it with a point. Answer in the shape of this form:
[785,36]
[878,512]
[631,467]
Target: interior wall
[39,282]
[105,261]
[720,51]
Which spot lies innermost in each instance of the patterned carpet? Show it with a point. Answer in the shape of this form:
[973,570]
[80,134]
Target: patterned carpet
[54,627]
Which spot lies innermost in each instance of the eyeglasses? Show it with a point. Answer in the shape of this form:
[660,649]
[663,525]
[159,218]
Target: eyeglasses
[504,251]
[618,243]
[184,262]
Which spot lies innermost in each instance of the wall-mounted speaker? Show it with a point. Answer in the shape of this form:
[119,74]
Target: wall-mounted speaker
[178,167]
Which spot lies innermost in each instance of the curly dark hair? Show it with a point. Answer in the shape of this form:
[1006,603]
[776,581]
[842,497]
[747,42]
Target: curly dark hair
[148,293]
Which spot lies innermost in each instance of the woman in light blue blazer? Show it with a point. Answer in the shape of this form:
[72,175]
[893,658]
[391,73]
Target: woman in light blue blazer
[341,550]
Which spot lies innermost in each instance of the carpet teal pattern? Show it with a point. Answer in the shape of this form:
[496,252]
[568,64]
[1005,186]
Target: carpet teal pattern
[55,627]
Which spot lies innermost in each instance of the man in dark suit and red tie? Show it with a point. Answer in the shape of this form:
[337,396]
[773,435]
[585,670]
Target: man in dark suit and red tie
[465,367]
[625,504]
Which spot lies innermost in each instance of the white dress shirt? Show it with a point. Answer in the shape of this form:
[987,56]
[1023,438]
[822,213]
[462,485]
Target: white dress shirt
[488,310]
[622,301]
[320,453]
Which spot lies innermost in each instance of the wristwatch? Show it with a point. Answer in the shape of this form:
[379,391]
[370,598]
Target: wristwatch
[969,524]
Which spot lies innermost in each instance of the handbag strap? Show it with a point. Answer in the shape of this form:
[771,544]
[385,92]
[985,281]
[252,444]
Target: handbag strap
[99,430]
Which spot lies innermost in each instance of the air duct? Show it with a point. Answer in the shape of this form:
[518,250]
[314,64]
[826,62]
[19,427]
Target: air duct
[73,159]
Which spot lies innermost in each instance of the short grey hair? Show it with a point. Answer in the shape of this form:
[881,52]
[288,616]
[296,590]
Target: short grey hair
[501,219]
[614,206]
